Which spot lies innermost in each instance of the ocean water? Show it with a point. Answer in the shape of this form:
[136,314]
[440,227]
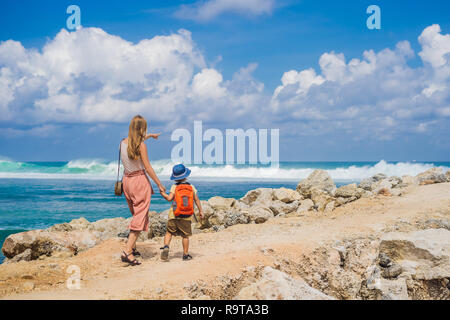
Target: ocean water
[36,195]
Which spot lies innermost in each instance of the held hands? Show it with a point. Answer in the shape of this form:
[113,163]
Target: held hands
[162,189]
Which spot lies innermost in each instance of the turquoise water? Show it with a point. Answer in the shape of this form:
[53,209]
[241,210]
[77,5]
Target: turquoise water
[36,195]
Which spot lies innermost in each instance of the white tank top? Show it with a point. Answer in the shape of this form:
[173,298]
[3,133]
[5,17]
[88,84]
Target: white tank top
[129,165]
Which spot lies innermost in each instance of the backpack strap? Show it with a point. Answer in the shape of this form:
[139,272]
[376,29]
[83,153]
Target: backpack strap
[180,183]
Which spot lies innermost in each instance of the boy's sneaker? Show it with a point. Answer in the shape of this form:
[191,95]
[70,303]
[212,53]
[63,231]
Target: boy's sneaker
[165,253]
[187,257]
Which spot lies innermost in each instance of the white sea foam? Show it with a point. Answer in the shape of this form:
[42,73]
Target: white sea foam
[100,170]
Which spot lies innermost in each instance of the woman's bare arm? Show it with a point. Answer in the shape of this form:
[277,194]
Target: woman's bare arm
[148,167]
[152,135]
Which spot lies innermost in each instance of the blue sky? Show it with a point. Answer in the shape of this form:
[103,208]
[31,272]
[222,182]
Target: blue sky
[61,100]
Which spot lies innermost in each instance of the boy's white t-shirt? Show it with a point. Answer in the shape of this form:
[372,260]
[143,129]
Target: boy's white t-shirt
[172,190]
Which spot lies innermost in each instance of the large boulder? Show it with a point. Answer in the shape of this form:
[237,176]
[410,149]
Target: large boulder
[220,203]
[157,225]
[320,198]
[305,205]
[367,183]
[260,196]
[280,208]
[381,184]
[227,218]
[412,265]
[45,242]
[109,228]
[76,224]
[276,285]
[349,191]
[259,214]
[433,175]
[447,176]
[318,179]
[423,260]
[409,180]
[429,245]
[286,195]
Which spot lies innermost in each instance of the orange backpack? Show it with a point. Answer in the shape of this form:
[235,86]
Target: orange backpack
[183,203]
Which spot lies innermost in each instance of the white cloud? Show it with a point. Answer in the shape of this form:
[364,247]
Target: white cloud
[208,84]
[207,10]
[90,76]
[43,131]
[378,96]
[435,46]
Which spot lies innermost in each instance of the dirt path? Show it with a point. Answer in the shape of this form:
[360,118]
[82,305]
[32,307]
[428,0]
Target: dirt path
[227,252]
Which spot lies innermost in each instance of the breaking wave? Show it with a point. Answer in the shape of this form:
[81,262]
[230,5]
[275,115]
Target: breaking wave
[105,170]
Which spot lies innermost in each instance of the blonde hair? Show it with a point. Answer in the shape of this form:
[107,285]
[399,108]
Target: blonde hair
[136,134]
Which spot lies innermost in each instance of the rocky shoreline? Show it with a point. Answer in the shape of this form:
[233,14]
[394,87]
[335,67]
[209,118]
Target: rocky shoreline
[385,238]
[317,193]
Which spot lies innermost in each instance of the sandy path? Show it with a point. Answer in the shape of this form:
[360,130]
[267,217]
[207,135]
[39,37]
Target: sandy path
[216,254]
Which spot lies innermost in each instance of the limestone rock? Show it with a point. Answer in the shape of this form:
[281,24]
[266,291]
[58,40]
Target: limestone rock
[220,203]
[341,201]
[318,179]
[261,196]
[436,224]
[385,261]
[320,198]
[433,175]
[386,289]
[447,176]
[24,256]
[260,214]
[384,186]
[276,285]
[367,183]
[76,224]
[157,225]
[305,205]
[45,242]
[423,254]
[348,191]
[329,207]
[109,228]
[228,218]
[409,180]
[392,272]
[286,195]
[279,207]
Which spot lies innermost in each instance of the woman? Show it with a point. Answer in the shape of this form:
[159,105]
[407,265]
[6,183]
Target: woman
[136,185]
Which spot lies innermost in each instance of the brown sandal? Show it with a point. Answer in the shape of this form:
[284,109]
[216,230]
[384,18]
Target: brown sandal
[127,260]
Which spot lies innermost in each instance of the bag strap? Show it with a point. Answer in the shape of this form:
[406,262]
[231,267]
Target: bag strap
[118,163]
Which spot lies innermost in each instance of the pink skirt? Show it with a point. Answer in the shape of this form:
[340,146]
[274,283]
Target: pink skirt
[138,191]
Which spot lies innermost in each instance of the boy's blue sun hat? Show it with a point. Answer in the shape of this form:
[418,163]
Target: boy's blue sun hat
[180,172]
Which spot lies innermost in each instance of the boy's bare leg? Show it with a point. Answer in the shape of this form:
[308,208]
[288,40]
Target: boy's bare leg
[167,239]
[165,249]
[185,242]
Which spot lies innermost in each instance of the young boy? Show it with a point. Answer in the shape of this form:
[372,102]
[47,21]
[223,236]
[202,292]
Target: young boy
[183,195]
